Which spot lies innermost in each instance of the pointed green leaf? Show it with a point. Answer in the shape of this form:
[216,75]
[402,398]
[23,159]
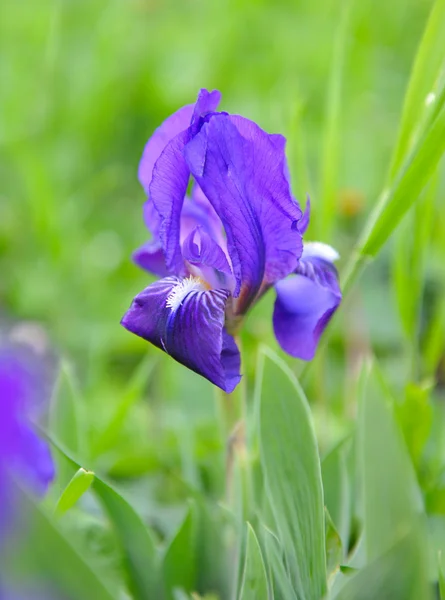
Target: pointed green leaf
[334,550]
[291,464]
[140,558]
[140,554]
[179,565]
[336,490]
[78,485]
[65,421]
[58,557]
[332,128]
[429,58]
[392,576]
[254,583]
[391,497]
[281,585]
[132,393]
[392,503]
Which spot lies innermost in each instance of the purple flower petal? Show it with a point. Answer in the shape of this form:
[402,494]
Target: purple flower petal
[22,452]
[165,175]
[151,258]
[167,191]
[306,302]
[170,128]
[187,321]
[199,249]
[303,224]
[243,177]
[202,252]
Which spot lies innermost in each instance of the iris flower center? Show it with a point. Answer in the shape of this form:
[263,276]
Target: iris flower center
[182,289]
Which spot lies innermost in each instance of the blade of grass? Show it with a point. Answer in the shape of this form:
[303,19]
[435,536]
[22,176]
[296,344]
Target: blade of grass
[412,241]
[132,393]
[331,145]
[429,57]
[395,202]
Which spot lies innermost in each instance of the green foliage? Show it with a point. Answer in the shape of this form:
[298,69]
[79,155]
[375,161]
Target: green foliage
[337,490]
[291,465]
[78,485]
[254,584]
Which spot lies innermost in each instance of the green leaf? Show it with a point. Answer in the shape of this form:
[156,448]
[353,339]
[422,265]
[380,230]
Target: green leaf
[334,550]
[131,394]
[392,576]
[59,558]
[415,416]
[392,502]
[336,489]
[140,554]
[78,485]
[140,559]
[179,565]
[395,201]
[391,497]
[412,242]
[64,420]
[429,58]
[278,575]
[254,583]
[441,584]
[291,465]
[332,128]
[212,556]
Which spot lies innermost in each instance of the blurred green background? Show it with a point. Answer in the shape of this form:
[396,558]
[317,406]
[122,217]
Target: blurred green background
[83,85]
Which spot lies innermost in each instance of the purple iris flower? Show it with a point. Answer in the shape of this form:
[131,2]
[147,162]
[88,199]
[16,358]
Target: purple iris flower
[225,228]
[23,455]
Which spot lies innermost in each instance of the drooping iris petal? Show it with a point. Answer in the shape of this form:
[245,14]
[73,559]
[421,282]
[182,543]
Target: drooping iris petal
[306,302]
[243,177]
[170,179]
[185,320]
[150,257]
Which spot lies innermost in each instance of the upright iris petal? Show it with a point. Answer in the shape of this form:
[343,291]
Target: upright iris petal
[219,249]
[242,173]
[22,453]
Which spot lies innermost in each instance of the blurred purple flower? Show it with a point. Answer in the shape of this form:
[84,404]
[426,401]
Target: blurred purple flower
[23,455]
[220,248]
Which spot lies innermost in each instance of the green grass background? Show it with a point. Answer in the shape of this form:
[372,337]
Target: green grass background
[83,85]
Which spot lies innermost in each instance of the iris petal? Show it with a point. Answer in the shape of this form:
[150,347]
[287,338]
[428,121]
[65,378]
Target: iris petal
[186,321]
[151,258]
[201,250]
[243,177]
[170,128]
[305,304]
[170,179]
